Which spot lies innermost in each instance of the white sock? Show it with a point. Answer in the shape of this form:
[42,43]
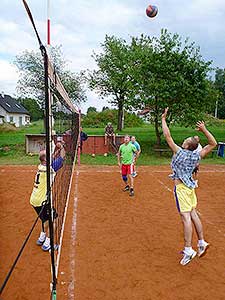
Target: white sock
[42,236]
[201,242]
[188,250]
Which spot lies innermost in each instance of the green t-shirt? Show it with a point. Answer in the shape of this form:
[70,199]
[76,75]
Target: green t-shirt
[126,152]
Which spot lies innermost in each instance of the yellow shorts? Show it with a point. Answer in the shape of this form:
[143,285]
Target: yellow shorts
[185,197]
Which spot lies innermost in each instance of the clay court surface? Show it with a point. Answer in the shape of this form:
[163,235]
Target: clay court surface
[115,247]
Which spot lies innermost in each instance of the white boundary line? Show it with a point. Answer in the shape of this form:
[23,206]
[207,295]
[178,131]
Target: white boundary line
[71,286]
[64,216]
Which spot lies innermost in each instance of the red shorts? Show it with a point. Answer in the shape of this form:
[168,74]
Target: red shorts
[126,170]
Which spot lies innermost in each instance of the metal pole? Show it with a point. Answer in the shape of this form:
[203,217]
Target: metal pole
[48,23]
[48,159]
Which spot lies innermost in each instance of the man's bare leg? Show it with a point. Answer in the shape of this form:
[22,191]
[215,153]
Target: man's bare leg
[202,244]
[187,225]
[131,185]
[197,223]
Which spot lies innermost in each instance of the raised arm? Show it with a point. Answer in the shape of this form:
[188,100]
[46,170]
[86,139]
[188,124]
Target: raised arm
[166,133]
[212,143]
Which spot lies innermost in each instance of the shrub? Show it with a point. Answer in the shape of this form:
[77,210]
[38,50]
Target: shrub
[100,119]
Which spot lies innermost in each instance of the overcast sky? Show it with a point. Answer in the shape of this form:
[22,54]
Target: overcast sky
[81,25]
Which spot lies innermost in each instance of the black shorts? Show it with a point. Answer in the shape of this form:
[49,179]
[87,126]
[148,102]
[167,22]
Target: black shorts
[44,216]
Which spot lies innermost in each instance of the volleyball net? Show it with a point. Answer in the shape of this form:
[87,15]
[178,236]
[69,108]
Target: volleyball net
[62,124]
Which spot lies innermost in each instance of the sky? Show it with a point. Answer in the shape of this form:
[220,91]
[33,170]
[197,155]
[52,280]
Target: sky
[80,27]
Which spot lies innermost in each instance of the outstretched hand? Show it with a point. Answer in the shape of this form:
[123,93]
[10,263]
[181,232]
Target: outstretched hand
[200,126]
[165,113]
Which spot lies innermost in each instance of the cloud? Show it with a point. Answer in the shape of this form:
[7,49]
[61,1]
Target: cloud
[80,27]
[8,77]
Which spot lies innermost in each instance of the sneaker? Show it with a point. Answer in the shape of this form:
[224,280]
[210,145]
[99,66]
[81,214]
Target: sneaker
[202,249]
[134,175]
[56,247]
[41,239]
[127,188]
[187,258]
[46,246]
[131,192]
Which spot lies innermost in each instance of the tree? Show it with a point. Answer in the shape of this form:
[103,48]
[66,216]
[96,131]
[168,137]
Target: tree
[220,86]
[31,80]
[91,109]
[112,77]
[36,113]
[169,72]
[105,108]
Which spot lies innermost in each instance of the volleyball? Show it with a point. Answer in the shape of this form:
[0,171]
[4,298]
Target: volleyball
[151,11]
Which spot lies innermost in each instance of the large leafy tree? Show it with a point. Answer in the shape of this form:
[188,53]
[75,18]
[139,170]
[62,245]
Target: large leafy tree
[169,72]
[91,109]
[32,106]
[31,79]
[220,86]
[112,78]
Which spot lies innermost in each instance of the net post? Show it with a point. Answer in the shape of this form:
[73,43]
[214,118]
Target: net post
[79,141]
[48,125]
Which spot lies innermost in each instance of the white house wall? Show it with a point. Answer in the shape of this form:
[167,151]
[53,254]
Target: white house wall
[2,112]
[16,118]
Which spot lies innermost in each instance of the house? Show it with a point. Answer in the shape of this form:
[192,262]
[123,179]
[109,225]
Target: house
[13,112]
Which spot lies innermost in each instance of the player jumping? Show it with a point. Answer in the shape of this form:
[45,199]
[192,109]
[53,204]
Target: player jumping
[184,162]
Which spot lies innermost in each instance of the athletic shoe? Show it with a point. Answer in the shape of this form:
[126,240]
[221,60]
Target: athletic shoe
[202,249]
[127,188]
[187,258]
[131,192]
[46,246]
[56,247]
[41,239]
[134,175]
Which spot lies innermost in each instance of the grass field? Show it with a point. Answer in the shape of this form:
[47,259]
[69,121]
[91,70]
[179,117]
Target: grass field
[12,145]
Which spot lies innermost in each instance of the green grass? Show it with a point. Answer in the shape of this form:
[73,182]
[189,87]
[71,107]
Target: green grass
[12,145]
[17,136]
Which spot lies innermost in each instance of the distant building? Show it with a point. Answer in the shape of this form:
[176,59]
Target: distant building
[13,112]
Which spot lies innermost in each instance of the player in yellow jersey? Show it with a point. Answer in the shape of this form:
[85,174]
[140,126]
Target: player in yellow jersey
[38,196]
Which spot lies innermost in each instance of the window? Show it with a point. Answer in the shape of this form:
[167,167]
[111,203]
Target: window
[17,105]
[11,119]
[8,104]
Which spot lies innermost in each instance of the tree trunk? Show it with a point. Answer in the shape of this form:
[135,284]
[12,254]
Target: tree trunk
[157,132]
[156,123]
[120,116]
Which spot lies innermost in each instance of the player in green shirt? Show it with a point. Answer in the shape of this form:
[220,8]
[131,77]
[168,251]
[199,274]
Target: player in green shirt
[125,160]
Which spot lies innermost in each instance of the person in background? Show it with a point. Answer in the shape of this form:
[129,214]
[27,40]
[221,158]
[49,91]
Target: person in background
[125,159]
[138,147]
[109,132]
[83,138]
